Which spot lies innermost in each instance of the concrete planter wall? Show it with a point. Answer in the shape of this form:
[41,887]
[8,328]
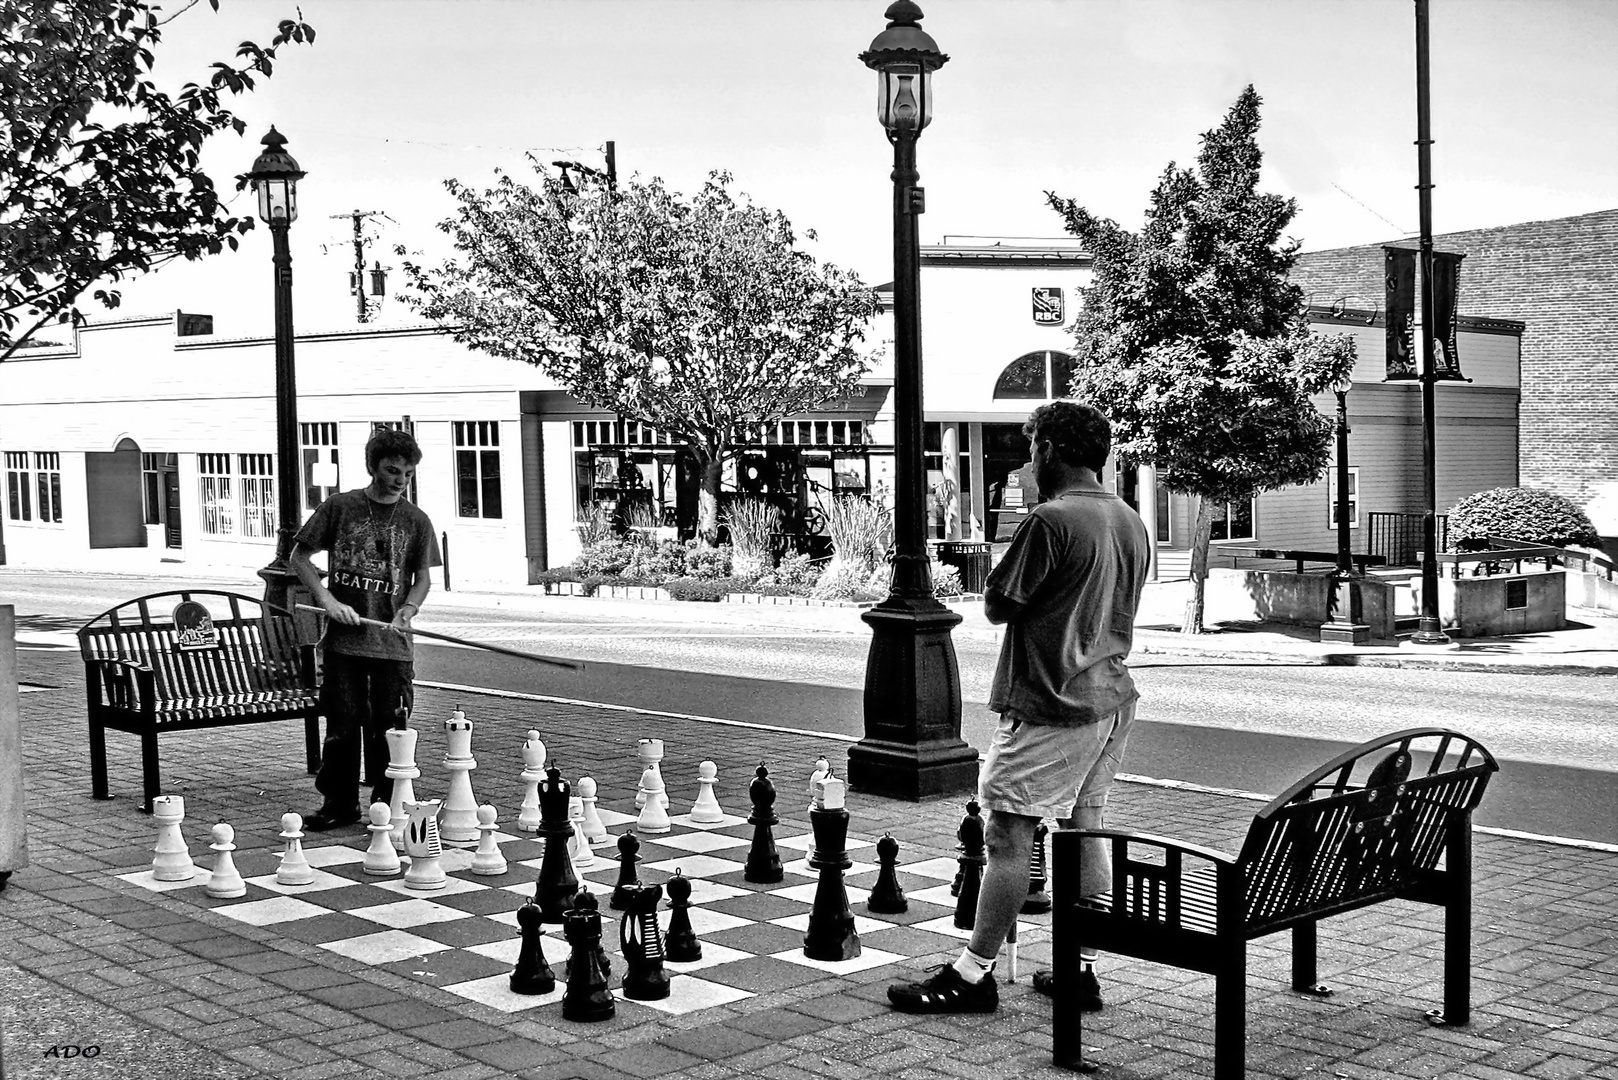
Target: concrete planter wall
[1500,604]
[1284,596]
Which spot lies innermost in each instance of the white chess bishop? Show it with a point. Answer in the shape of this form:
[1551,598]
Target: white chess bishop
[533,772]
[578,845]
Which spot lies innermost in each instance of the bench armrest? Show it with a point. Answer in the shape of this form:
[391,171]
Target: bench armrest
[1152,890]
[124,684]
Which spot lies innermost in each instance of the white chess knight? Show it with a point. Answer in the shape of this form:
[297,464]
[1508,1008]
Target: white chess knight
[459,821]
[533,772]
[426,871]
[294,868]
[654,814]
[578,845]
[225,882]
[706,810]
[595,830]
[171,859]
[822,770]
[487,859]
[403,772]
[651,754]
[380,858]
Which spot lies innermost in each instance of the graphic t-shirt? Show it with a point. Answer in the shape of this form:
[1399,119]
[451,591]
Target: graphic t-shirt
[376,550]
[1076,567]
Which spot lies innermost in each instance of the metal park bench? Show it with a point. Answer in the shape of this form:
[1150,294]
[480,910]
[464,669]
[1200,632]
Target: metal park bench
[1371,825]
[189,659]
[1361,561]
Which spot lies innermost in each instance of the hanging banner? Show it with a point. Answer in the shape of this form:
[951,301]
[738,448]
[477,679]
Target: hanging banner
[1399,302]
[1446,289]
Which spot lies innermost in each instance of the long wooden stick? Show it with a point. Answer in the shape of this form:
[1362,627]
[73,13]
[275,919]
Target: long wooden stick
[573,665]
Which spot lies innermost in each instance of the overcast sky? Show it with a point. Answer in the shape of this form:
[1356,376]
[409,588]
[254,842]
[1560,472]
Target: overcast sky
[1088,98]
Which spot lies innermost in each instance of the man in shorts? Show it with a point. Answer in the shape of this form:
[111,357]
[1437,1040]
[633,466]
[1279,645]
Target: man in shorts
[381,548]
[1067,591]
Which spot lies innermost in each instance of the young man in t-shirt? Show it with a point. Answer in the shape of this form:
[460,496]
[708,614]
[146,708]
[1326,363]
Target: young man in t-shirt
[381,547]
[1067,591]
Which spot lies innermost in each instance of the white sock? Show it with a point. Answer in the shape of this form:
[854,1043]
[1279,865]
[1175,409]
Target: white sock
[1087,960]
[972,968]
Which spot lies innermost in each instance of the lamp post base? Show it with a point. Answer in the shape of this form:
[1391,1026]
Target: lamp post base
[1345,633]
[283,589]
[1346,611]
[912,747]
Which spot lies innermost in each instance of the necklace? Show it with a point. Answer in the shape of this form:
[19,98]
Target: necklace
[387,525]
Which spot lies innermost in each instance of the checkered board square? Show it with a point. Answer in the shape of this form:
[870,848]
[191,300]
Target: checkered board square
[464,939]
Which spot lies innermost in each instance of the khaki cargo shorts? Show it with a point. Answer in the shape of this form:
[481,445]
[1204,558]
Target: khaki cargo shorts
[1044,771]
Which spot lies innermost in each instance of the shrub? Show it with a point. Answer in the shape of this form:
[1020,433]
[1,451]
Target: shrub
[608,556]
[752,523]
[1525,515]
[946,580]
[655,562]
[593,524]
[552,577]
[593,582]
[798,572]
[707,562]
[858,527]
[702,589]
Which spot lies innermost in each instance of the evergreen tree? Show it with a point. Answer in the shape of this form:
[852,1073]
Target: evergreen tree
[1193,341]
[699,316]
[86,200]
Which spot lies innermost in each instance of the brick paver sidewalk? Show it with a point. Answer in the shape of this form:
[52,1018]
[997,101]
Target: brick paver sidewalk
[164,989]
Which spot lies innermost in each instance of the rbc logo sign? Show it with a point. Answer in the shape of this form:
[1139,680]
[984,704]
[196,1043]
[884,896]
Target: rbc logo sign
[1048,306]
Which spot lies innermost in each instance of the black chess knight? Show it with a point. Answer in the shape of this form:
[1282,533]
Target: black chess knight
[1039,899]
[642,943]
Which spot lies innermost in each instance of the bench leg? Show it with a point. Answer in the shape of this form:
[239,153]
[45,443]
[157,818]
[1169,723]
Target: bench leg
[148,766]
[1458,925]
[1303,960]
[311,743]
[98,760]
[1230,1013]
[1067,1019]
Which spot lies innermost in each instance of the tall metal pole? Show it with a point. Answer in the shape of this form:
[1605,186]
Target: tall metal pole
[912,576]
[1345,561]
[1429,629]
[359,266]
[278,576]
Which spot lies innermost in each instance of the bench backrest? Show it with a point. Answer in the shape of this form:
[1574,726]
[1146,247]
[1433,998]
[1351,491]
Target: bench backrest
[257,648]
[1362,826]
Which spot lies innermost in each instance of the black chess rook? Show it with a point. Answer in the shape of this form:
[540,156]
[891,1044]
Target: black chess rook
[588,996]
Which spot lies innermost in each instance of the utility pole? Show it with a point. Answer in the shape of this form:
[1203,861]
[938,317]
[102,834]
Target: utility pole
[362,309]
[610,176]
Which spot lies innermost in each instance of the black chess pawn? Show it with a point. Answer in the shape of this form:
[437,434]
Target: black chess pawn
[971,861]
[763,861]
[641,941]
[680,943]
[628,876]
[532,975]
[1039,900]
[588,996]
[831,934]
[887,895]
[557,881]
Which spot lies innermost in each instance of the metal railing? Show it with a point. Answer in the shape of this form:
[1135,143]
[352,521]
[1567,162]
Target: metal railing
[1397,537]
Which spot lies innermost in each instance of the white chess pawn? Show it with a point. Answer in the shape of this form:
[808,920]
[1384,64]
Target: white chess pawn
[487,858]
[533,772]
[650,752]
[226,881]
[381,858]
[654,815]
[403,772]
[595,830]
[706,811]
[171,859]
[294,868]
[426,871]
[458,824]
[822,770]
[578,845]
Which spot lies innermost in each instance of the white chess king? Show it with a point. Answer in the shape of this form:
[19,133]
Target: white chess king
[459,822]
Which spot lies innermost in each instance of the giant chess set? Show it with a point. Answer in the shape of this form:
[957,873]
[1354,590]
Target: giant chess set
[710,907]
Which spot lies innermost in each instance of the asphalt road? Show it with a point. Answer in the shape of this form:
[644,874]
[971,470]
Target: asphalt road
[1254,726]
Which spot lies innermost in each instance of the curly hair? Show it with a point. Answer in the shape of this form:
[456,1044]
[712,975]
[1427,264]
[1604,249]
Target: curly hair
[390,442]
[1080,433]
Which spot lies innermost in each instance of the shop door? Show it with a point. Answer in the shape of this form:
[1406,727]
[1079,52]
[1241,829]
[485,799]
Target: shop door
[171,509]
[1005,451]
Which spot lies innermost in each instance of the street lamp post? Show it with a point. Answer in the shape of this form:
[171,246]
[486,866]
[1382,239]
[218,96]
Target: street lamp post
[1347,598]
[275,177]
[912,746]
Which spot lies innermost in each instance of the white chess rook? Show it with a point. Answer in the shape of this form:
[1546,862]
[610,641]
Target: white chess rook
[294,868]
[380,858]
[533,771]
[459,822]
[171,859]
[487,858]
[706,811]
[225,883]
[403,772]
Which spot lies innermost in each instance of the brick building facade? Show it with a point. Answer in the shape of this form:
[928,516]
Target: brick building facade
[1560,279]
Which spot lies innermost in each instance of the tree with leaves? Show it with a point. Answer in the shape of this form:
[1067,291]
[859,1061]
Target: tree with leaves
[99,174]
[1193,341]
[698,316]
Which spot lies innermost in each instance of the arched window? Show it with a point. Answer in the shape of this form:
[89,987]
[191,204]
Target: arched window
[1036,375]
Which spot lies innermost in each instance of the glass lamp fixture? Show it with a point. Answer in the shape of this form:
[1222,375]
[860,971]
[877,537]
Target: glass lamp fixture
[275,177]
[904,57]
